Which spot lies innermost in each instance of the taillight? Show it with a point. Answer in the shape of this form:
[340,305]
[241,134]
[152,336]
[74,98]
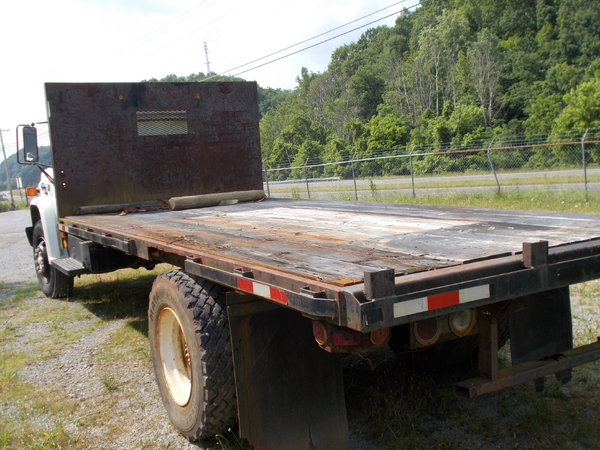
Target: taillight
[427,331]
[320,332]
[462,322]
[381,336]
[345,337]
[337,339]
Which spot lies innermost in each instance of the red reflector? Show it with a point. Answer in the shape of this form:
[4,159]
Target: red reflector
[378,337]
[320,332]
[442,300]
[278,295]
[245,285]
[346,338]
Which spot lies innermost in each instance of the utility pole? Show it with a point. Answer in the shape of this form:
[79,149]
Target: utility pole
[12,199]
[207,62]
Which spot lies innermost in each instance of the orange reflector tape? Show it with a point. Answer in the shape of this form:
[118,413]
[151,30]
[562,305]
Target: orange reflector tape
[443,300]
[262,290]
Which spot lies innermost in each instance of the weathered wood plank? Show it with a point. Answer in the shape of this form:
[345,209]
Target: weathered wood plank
[339,241]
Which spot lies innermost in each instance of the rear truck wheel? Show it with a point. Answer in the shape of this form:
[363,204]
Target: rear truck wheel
[53,283]
[191,354]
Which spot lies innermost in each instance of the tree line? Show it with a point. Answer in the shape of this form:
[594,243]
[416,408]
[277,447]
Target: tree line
[451,74]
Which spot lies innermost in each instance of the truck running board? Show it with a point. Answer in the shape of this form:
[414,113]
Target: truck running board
[530,371]
[69,266]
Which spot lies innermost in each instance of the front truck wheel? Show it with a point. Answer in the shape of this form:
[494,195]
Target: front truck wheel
[53,283]
[191,354]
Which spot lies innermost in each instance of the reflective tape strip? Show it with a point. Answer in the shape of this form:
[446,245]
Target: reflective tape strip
[474,293]
[443,300]
[262,290]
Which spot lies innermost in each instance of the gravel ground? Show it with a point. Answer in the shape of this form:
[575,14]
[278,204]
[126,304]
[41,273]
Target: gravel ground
[76,371]
[124,410]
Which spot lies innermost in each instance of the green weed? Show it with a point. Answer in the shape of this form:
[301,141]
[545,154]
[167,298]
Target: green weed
[230,441]
[109,383]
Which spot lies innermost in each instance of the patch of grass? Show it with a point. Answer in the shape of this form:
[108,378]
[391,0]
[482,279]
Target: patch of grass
[373,189]
[448,182]
[400,408]
[13,293]
[538,200]
[128,344]
[5,205]
[34,328]
[295,192]
[541,197]
[21,435]
[42,327]
[118,295]
[230,441]
[32,417]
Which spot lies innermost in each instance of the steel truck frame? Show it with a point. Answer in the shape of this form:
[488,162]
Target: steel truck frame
[270,291]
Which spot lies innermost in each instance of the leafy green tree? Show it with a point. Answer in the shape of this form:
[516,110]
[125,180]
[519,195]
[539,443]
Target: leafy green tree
[465,120]
[579,28]
[309,153]
[486,60]
[450,74]
[387,131]
[336,150]
[366,90]
[582,108]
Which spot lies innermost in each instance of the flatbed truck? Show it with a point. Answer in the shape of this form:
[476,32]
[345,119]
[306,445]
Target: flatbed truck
[269,293]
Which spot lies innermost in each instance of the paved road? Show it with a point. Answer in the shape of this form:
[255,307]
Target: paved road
[16,263]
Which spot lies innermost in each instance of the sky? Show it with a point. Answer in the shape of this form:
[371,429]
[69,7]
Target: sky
[132,40]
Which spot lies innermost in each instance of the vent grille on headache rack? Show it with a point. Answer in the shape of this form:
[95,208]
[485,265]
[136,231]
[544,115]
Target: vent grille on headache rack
[158,123]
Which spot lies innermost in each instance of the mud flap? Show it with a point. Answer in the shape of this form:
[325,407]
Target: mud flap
[290,393]
[542,328]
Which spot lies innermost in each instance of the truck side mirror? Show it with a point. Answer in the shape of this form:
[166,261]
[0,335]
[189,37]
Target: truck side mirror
[30,145]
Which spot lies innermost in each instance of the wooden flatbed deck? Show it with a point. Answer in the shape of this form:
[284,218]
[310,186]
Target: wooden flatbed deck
[336,242]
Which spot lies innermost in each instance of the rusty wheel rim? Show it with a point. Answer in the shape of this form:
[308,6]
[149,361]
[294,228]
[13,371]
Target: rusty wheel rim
[174,356]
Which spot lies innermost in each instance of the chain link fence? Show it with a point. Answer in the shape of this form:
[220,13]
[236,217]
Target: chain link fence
[565,162]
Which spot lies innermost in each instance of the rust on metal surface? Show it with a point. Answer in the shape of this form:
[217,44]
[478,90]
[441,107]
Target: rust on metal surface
[127,143]
[290,239]
[530,371]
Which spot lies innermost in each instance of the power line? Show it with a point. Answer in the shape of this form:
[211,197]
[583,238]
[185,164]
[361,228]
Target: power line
[316,44]
[317,36]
